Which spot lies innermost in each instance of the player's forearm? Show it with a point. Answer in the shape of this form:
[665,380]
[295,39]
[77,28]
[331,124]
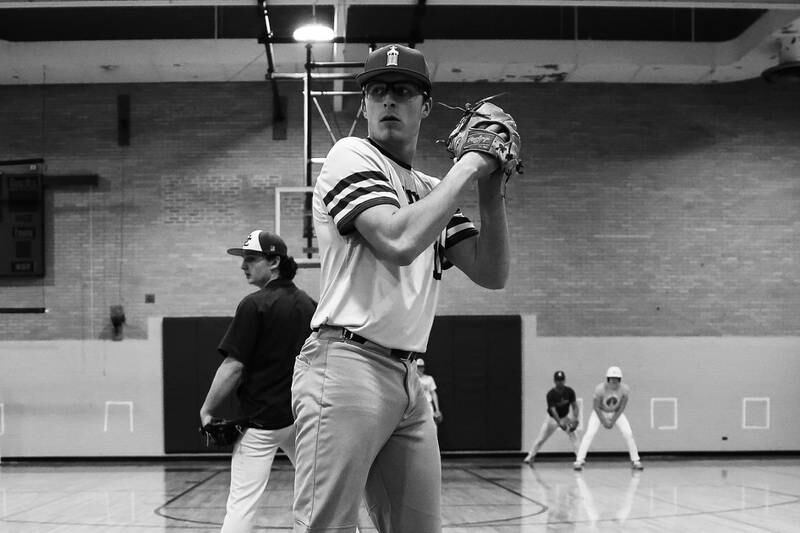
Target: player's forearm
[493,247]
[404,234]
[224,383]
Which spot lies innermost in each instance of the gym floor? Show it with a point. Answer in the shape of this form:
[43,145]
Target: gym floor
[479,495]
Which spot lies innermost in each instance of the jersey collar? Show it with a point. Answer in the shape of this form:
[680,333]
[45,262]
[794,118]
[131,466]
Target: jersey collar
[390,156]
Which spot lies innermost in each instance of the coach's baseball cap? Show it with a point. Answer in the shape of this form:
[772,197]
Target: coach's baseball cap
[396,58]
[260,242]
[559,376]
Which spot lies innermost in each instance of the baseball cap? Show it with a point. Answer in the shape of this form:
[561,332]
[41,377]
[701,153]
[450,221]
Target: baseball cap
[559,376]
[260,242]
[614,372]
[396,58]
[420,361]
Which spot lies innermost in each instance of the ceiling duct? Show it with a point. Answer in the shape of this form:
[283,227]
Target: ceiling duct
[788,68]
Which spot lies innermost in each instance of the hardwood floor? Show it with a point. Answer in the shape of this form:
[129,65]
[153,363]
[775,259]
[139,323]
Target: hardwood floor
[479,496]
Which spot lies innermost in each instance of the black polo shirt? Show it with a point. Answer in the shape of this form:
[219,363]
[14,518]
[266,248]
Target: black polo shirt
[561,400]
[266,334]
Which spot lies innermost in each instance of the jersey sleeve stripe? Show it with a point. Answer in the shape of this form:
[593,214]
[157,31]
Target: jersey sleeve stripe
[356,197]
[460,236]
[357,180]
[346,222]
[458,229]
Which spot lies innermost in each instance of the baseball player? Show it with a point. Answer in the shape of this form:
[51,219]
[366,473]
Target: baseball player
[386,231]
[429,388]
[559,401]
[610,400]
[259,348]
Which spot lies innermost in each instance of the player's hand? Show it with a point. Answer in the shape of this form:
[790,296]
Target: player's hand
[205,419]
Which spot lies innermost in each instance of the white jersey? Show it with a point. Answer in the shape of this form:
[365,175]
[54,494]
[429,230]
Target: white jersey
[610,399]
[388,304]
[428,385]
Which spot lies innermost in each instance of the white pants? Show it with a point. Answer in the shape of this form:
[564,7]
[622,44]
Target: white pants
[365,429]
[591,431]
[250,467]
[548,427]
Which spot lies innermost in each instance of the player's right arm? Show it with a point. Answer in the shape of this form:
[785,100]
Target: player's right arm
[399,234]
[225,381]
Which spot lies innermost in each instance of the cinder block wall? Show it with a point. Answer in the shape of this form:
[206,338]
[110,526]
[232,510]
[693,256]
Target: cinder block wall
[643,210]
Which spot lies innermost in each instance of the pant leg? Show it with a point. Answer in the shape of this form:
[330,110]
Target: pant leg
[404,486]
[251,463]
[627,433]
[573,438]
[591,430]
[548,427]
[287,443]
[347,401]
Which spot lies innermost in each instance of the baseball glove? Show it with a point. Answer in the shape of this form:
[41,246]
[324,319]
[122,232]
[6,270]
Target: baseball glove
[220,433]
[486,128]
[572,425]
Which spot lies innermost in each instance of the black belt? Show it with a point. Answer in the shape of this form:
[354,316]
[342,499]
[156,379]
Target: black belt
[346,334]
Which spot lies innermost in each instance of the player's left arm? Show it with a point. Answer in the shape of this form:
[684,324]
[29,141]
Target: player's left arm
[485,258]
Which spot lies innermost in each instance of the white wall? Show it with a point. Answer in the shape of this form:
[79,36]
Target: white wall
[708,378]
[54,394]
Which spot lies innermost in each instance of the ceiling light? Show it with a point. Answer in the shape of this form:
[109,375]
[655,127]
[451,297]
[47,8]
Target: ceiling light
[313,33]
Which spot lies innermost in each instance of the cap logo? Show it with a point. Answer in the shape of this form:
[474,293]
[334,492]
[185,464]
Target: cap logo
[247,240]
[391,56]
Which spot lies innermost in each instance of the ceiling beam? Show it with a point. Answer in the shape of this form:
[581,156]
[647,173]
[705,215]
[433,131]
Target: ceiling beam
[726,4]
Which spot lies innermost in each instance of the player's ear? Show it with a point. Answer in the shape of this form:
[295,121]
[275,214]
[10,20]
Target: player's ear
[427,106]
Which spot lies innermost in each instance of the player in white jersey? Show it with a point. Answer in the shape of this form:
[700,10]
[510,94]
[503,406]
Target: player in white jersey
[386,231]
[429,389]
[610,400]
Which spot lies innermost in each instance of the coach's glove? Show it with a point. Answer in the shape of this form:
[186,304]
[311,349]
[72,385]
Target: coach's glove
[220,433]
[486,128]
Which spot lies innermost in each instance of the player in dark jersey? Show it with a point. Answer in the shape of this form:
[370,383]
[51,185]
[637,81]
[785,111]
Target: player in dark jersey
[560,399]
[260,347]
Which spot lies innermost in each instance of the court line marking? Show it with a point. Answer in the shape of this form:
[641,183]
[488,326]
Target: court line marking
[159,511]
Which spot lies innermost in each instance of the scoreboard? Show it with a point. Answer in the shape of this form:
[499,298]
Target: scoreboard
[22,218]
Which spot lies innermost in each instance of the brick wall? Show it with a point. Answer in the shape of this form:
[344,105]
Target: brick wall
[643,210]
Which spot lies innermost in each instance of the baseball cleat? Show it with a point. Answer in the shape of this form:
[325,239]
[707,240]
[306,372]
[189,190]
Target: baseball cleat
[636,465]
[577,466]
[528,459]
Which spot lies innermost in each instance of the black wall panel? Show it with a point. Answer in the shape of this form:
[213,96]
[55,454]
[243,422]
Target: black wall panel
[475,360]
[190,362]
[477,364]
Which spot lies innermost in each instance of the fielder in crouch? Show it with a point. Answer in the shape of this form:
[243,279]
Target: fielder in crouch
[610,400]
[386,231]
[560,399]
